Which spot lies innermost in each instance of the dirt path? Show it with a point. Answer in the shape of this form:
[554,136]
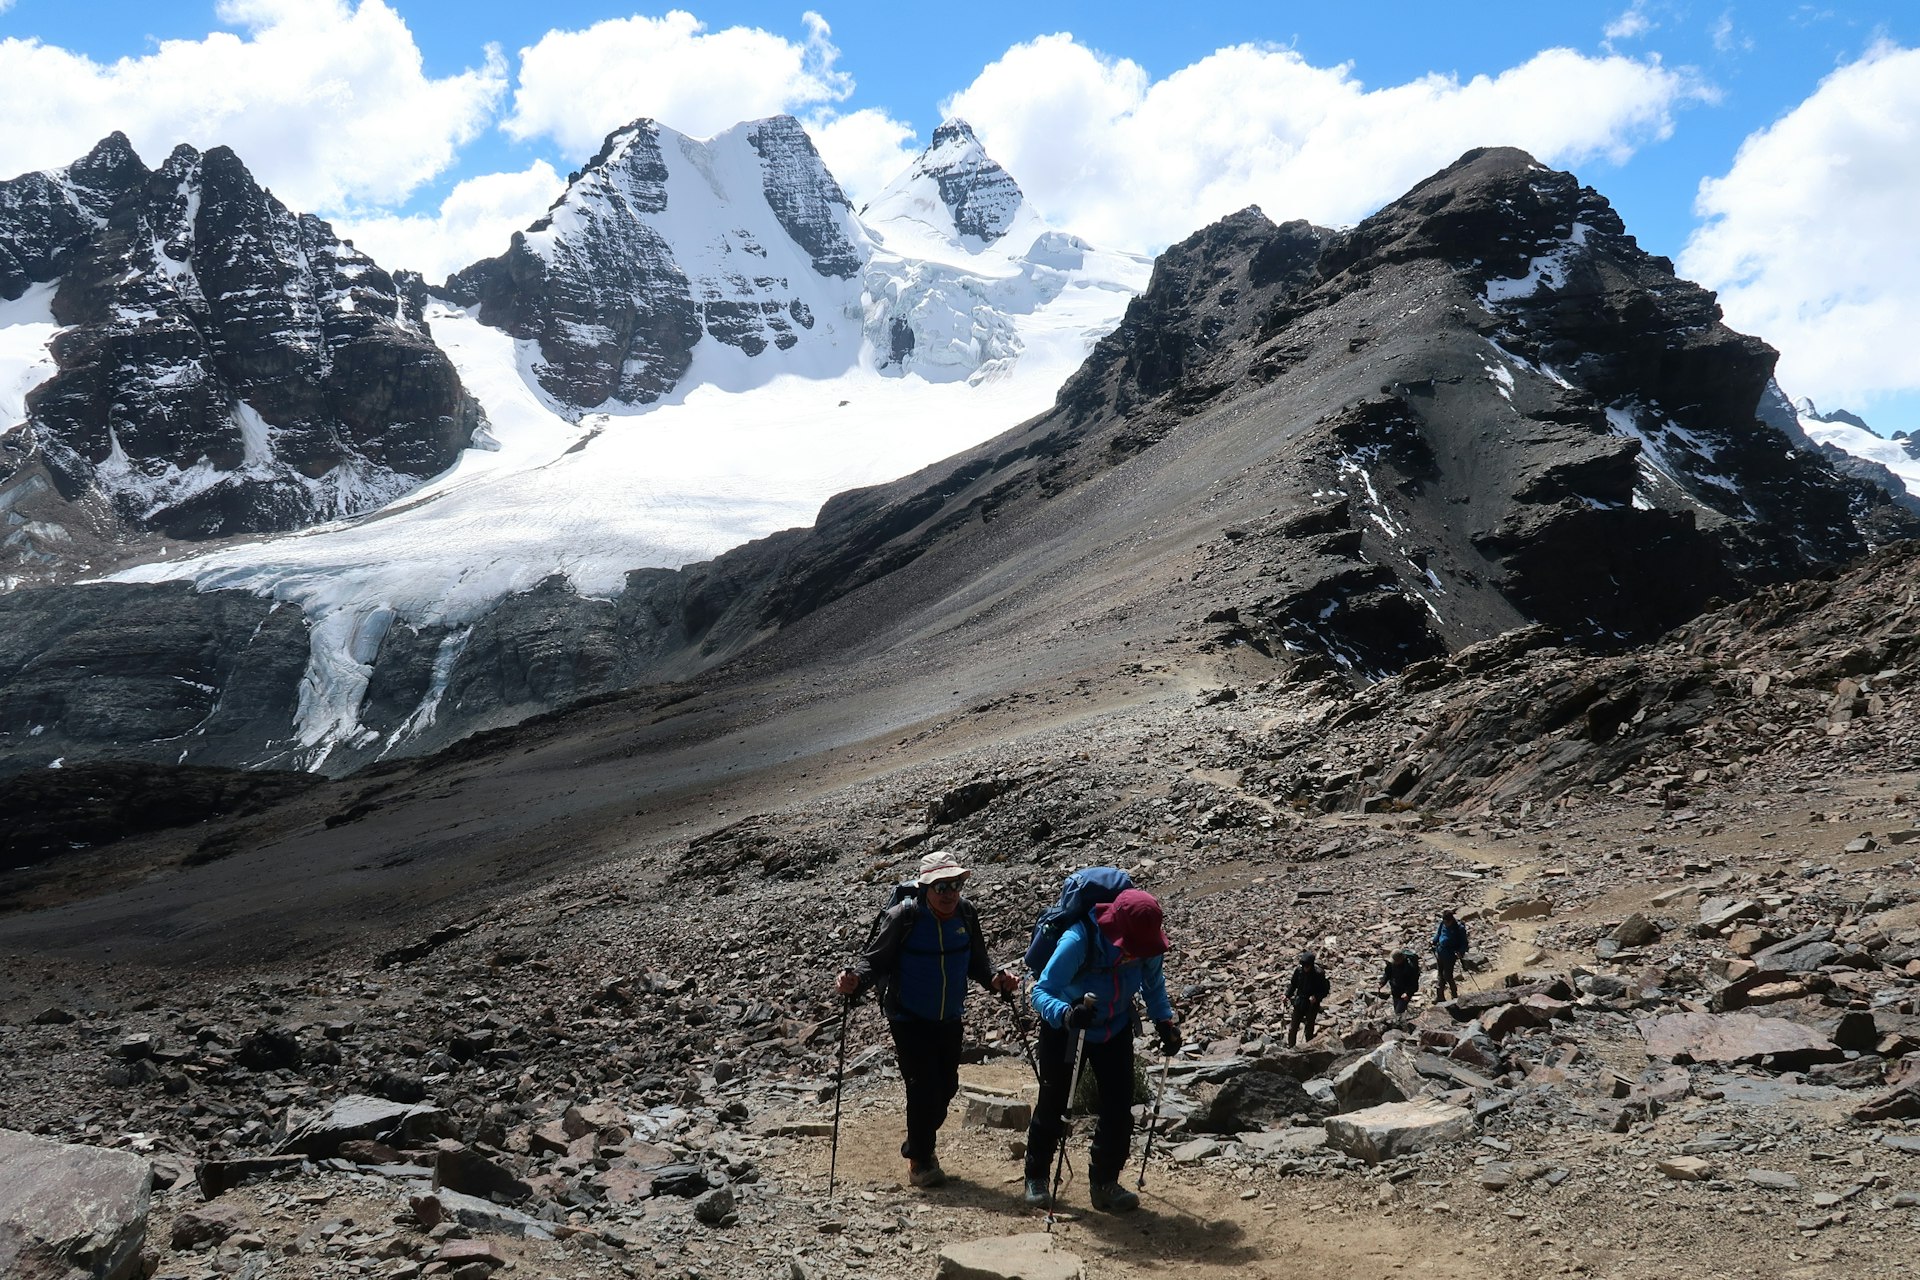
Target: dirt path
[1200,1224]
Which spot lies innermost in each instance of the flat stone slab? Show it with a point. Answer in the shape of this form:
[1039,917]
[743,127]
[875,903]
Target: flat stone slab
[483,1215]
[989,1111]
[1727,1038]
[1396,1128]
[353,1117]
[67,1208]
[1032,1256]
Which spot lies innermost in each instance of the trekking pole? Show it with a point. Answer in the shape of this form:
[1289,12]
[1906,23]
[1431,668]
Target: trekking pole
[839,1089]
[1066,1114]
[1154,1123]
[1026,1046]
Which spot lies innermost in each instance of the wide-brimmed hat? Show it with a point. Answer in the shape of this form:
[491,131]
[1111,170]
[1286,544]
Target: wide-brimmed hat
[940,866]
[1132,923]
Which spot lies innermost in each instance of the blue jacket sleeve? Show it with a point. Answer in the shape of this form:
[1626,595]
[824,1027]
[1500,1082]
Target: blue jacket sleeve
[1053,993]
[1153,988]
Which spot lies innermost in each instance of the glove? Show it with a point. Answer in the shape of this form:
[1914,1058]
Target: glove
[1080,1017]
[1170,1038]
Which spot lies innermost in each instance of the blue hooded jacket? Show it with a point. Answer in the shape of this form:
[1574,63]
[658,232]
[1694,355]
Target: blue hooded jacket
[1086,963]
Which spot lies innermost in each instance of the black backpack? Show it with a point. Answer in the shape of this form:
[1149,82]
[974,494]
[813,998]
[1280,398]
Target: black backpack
[907,891]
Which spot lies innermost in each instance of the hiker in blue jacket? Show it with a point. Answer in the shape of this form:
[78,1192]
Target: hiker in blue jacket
[1449,948]
[925,952]
[1111,955]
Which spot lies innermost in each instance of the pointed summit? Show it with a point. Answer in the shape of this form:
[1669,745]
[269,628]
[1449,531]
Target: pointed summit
[954,187]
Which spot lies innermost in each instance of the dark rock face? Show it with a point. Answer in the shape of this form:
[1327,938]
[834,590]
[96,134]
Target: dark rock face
[803,195]
[139,672]
[612,303]
[230,366]
[48,215]
[981,196]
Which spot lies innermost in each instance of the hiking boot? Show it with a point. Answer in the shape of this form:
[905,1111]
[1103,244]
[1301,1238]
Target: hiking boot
[926,1173]
[1111,1197]
[1036,1196]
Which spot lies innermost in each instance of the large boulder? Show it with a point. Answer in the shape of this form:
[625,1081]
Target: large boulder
[1251,1101]
[1397,1128]
[1031,1256]
[1388,1074]
[70,1210]
[1729,1038]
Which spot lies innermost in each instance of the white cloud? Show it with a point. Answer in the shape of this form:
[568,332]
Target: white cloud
[1634,22]
[865,150]
[575,87]
[327,102]
[1103,149]
[1727,38]
[1809,236]
[475,221]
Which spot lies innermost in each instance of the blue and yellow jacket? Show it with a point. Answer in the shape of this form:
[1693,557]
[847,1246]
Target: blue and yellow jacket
[1086,963]
[924,962]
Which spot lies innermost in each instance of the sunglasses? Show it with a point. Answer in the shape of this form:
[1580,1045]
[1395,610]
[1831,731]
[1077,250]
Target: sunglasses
[944,886]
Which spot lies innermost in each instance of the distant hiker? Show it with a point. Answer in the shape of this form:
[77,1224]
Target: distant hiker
[1449,949]
[1112,954]
[923,950]
[1402,979]
[1306,990]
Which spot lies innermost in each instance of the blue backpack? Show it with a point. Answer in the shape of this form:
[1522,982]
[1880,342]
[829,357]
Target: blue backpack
[1084,890]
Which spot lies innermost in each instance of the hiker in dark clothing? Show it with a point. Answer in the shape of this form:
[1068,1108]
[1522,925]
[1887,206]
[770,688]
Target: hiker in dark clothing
[1084,998]
[1306,990]
[1402,979]
[925,951]
[1449,949]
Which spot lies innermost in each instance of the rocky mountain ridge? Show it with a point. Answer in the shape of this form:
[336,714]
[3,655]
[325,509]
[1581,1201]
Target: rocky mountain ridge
[224,365]
[1481,409]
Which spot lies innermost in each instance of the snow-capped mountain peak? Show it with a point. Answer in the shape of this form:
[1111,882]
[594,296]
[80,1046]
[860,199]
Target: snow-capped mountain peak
[663,242]
[954,193]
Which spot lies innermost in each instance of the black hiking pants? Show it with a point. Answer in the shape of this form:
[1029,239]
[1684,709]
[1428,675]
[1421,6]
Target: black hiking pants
[1443,966]
[1305,1014]
[929,1054]
[1401,999]
[1110,1063]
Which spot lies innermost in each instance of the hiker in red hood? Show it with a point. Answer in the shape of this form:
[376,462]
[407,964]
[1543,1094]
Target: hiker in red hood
[1112,955]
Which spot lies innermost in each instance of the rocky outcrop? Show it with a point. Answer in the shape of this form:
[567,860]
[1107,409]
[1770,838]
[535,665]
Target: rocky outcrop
[71,1210]
[226,365]
[653,247]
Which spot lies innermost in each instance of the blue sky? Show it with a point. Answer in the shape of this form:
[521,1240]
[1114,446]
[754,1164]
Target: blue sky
[428,130]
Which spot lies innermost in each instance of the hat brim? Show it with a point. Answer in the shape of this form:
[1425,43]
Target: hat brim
[943,873]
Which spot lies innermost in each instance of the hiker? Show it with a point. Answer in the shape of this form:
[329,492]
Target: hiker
[1402,979]
[1084,997]
[1449,949]
[922,954]
[1307,989]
